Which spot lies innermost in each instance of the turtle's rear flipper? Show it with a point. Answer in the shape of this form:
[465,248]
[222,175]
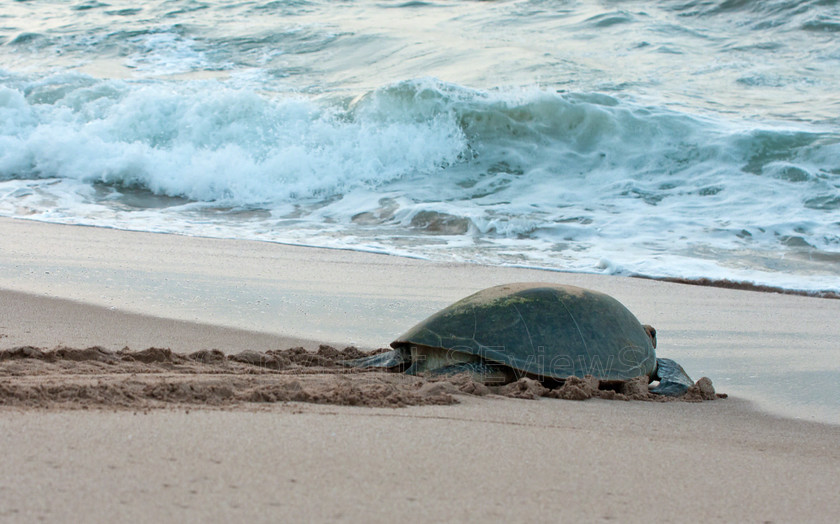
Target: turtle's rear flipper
[673,380]
[397,360]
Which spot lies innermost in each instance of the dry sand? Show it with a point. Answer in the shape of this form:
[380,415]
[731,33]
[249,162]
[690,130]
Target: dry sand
[486,457]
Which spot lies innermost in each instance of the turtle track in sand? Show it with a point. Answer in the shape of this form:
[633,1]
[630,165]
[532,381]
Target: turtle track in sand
[67,378]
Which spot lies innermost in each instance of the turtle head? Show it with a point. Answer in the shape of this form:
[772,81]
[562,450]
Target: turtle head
[651,332]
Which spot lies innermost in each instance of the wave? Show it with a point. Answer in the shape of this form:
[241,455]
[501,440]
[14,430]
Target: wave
[205,142]
[575,176]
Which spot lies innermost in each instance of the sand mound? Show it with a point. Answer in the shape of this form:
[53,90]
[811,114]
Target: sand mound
[575,388]
[157,377]
[523,388]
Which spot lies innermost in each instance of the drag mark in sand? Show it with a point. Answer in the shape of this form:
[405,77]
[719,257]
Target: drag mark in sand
[66,378]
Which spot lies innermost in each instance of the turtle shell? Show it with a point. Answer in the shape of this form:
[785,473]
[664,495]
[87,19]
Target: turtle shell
[546,330]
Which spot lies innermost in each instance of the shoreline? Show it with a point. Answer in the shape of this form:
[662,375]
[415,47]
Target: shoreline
[723,283]
[743,286]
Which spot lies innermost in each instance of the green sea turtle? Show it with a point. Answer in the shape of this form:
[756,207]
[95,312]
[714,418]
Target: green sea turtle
[544,331]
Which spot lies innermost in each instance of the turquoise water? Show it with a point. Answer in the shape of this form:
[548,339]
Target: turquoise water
[664,139]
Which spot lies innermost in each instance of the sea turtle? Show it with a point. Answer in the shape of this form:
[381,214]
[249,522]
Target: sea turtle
[544,331]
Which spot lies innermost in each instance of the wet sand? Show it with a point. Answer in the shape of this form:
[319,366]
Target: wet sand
[483,457]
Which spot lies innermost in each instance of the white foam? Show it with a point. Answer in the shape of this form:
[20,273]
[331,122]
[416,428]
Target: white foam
[165,52]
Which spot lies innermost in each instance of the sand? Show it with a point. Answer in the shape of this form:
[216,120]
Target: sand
[456,454]
[71,378]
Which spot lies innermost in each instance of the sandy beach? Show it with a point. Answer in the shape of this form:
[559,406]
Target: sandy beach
[764,454]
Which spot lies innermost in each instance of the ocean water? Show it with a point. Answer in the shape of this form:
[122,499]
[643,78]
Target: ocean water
[667,139]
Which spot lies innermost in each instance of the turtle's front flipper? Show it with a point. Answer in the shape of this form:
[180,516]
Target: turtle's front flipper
[397,360]
[673,380]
